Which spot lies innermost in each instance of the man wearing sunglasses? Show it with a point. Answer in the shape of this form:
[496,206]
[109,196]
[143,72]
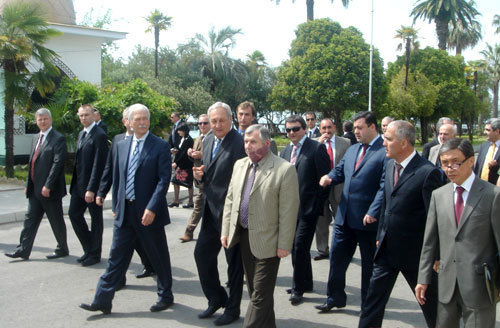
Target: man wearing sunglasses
[463,233]
[312,129]
[195,154]
[312,162]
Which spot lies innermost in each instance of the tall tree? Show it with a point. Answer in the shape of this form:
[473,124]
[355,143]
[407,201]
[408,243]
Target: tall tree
[310,7]
[23,33]
[157,22]
[461,38]
[496,22]
[492,61]
[408,36]
[442,12]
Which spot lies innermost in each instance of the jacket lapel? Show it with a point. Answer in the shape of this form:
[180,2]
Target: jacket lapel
[303,150]
[369,152]
[475,195]
[124,148]
[265,170]
[145,150]
[389,176]
[408,172]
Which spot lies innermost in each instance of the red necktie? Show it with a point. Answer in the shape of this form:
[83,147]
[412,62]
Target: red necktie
[397,171]
[459,204]
[330,153]
[360,159]
[35,155]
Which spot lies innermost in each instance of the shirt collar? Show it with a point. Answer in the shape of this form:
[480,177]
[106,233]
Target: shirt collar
[497,143]
[467,185]
[46,132]
[408,159]
[143,138]
[301,142]
[374,139]
[89,128]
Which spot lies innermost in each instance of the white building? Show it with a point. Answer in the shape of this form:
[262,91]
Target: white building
[79,50]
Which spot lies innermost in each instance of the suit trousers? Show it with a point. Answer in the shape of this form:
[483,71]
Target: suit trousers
[205,254]
[36,208]
[448,314]
[381,284]
[142,254]
[91,240]
[301,254]
[196,215]
[155,245]
[323,227]
[344,245]
[261,277]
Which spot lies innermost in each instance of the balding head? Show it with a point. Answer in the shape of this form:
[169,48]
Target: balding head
[446,132]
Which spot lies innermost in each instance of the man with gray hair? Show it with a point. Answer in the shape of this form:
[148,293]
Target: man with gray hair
[446,132]
[221,150]
[409,182]
[45,188]
[385,122]
[487,161]
[427,147]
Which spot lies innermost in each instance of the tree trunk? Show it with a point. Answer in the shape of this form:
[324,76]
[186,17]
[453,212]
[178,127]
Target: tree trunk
[407,63]
[442,32]
[337,114]
[495,99]
[310,9]
[9,139]
[423,129]
[458,50]
[157,44]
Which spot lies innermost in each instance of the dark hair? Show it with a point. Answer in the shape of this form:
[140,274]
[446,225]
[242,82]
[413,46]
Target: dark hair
[310,113]
[183,127]
[177,114]
[247,104]
[347,126]
[369,117]
[295,119]
[457,143]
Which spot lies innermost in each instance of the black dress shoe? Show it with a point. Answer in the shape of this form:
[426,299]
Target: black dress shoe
[90,261]
[17,254]
[94,307]
[290,290]
[56,255]
[173,204]
[160,306]
[145,273]
[209,311]
[328,306]
[188,205]
[320,257]
[82,258]
[296,298]
[225,319]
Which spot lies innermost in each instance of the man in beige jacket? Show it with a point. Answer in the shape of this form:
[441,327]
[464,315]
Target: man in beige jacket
[260,213]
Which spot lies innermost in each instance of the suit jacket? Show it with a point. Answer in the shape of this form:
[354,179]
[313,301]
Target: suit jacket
[349,135]
[218,171]
[103,126]
[181,157]
[174,137]
[312,163]
[434,154]
[272,208]
[427,148]
[404,212]
[363,191]
[197,146]
[315,133]
[341,145]
[151,181]
[90,161]
[49,167]
[483,151]
[462,250]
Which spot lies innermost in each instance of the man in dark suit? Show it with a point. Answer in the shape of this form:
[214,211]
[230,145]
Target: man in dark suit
[99,122]
[462,232]
[221,150]
[362,171]
[435,141]
[45,188]
[140,179]
[247,115]
[488,160]
[174,138]
[409,182]
[348,134]
[90,160]
[312,129]
[312,162]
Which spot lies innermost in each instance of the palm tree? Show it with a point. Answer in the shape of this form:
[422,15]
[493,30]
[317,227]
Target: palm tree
[461,38]
[492,62]
[442,12]
[310,7]
[158,22]
[408,35]
[496,22]
[23,31]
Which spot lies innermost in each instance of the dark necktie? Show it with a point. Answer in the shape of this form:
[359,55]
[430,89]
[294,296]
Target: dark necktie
[82,138]
[329,150]
[35,155]
[129,186]
[397,172]
[246,197]
[459,204]
[360,159]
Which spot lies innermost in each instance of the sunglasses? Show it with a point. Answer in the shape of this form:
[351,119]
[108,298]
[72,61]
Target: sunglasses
[202,123]
[294,129]
[310,119]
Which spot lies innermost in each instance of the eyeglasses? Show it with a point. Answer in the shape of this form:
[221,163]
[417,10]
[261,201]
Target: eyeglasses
[294,129]
[454,166]
[202,123]
[310,119]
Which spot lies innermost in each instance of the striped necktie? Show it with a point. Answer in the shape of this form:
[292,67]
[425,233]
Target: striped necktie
[132,167]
